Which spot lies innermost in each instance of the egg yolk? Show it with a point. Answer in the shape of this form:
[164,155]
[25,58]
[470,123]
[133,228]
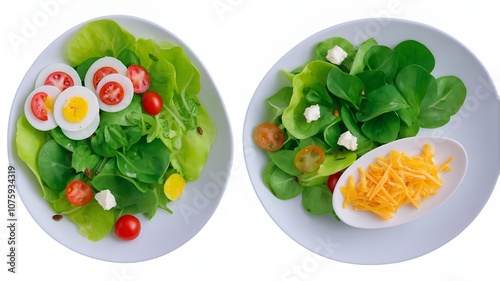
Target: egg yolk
[49,104]
[75,109]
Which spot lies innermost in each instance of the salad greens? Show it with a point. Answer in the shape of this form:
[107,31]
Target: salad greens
[378,93]
[131,153]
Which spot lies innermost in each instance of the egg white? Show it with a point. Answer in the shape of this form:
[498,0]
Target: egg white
[100,63]
[58,66]
[87,121]
[38,124]
[128,92]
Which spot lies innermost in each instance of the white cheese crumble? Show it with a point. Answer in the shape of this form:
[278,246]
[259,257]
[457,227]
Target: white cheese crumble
[312,113]
[336,55]
[348,141]
[106,199]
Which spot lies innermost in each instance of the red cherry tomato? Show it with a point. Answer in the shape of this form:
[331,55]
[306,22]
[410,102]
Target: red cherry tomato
[309,158]
[79,193]
[139,77]
[127,227]
[332,180]
[111,93]
[269,136]
[38,106]
[59,79]
[152,103]
[101,73]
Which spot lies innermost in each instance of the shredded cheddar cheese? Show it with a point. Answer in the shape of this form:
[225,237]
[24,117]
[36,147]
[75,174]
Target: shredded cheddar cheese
[394,181]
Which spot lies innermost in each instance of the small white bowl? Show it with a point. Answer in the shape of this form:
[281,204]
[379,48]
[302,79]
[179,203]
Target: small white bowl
[444,148]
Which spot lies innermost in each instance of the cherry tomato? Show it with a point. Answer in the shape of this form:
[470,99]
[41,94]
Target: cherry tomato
[309,158]
[139,77]
[152,103]
[111,93]
[79,193]
[38,106]
[269,136]
[332,180]
[59,79]
[127,227]
[101,73]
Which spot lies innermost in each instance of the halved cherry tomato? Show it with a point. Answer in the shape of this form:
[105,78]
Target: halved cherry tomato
[101,73]
[111,93]
[59,79]
[152,102]
[38,106]
[127,227]
[309,158]
[79,193]
[139,77]
[269,136]
[332,180]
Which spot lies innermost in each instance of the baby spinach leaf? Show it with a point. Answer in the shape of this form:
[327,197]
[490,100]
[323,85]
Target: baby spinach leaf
[130,116]
[413,52]
[129,197]
[383,128]
[322,48]
[414,83]
[384,59]
[317,94]
[280,101]
[284,160]
[54,165]
[437,107]
[345,86]
[331,134]
[144,161]
[406,131]
[84,157]
[62,139]
[284,186]
[372,79]
[317,200]
[384,99]
[358,64]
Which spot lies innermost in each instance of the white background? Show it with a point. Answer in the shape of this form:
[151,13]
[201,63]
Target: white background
[238,41]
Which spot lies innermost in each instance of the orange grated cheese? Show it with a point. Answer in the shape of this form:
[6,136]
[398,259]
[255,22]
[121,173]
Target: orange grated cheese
[393,181]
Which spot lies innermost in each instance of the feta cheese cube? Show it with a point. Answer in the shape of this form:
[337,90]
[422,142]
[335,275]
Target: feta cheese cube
[348,141]
[312,113]
[106,199]
[336,55]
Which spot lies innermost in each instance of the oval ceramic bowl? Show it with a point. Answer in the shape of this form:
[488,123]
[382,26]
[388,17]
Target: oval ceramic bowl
[339,241]
[444,148]
[165,232]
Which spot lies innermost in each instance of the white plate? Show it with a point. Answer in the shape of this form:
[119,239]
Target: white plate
[444,148]
[165,232]
[476,127]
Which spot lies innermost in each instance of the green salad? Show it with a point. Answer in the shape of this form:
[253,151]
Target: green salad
[343,103]
[132,153]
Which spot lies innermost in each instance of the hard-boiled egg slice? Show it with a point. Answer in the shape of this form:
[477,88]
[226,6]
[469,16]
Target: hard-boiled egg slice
[75,111]
[114,92]
[39,107]
[101,68]
[59,75]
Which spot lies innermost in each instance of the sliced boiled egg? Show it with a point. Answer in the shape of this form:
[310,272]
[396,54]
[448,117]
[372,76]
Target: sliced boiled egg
[101,68]
[59,75]
[76,111]
[114,92]
[39,107]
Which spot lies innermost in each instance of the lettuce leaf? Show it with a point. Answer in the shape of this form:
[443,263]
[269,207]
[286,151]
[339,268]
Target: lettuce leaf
[98,39]
[29,142]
